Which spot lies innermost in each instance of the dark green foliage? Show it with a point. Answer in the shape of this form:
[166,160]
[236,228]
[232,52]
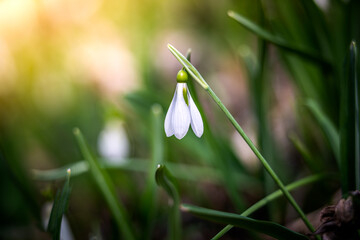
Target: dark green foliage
[59,208]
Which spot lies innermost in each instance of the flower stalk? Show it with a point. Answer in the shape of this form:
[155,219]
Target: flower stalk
[196,75]
[182,111]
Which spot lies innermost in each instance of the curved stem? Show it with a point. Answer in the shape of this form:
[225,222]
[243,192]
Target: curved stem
[197,76]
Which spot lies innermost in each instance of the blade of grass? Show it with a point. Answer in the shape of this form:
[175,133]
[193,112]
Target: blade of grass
[59,208]
[302,23]
[259,84]
[165,180]
[77,168]
[11,168]
[348,167]
[327,127]
[273,196]
[319,28]
[357,122]
[314,165]
[179,170]
[106,187]
[196,75]
[269,228]
[276,40]
[157,149]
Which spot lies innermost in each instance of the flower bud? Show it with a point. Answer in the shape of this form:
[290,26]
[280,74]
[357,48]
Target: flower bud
[182,76]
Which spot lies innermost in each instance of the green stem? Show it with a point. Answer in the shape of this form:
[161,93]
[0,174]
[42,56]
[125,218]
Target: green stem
[261,158]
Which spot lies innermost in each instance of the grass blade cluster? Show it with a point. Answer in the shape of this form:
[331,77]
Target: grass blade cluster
[106,187]
[166,181]
[327,126]
[59,208]
[271,197]
[349,126]
[269,228]
[276,40]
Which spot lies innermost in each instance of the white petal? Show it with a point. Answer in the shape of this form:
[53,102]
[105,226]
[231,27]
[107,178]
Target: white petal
[196,120]
[180,120]
[113,143]
[169,131]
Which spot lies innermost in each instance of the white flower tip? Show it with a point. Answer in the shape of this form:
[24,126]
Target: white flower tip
[199,133]
[180,135]
[168,133]
[198,128]
[196,120]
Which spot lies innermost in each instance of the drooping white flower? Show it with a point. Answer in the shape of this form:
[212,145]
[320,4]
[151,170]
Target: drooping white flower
[113,143]
[182,111]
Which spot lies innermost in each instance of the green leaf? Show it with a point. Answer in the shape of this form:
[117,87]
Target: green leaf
[314,164]
[319,28]
[13,173]
[188,66]
[148,201]
[302,51]
[165,180]
[269,228]
[327,127]
[182,171]
[59,208]
[77,168]
[349,131]
[106,187]
[261,92]
[271,197]
[357,124]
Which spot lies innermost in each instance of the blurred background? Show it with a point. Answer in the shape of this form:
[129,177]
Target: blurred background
[101,65]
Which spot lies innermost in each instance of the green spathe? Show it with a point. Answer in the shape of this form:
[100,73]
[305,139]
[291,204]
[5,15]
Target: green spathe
[182,76]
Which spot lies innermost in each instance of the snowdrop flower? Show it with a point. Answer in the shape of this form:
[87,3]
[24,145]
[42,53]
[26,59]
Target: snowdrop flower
[113,143]
[182,111]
